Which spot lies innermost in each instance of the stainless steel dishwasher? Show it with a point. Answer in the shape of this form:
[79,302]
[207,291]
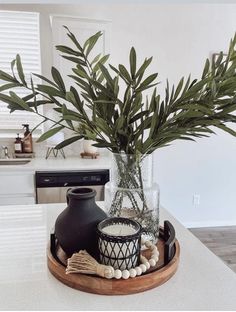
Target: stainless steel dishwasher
[51,186]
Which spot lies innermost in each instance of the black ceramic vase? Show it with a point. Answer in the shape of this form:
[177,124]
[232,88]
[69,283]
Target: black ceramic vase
[75,227]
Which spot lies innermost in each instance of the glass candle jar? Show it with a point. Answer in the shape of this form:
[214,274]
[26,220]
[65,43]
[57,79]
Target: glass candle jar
[119,242]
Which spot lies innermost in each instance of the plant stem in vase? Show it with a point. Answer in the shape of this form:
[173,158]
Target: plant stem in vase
[131,192]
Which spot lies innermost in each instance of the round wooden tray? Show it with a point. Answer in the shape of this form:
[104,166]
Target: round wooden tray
[97,285]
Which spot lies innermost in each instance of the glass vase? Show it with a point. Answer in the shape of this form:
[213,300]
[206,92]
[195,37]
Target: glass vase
[131,192]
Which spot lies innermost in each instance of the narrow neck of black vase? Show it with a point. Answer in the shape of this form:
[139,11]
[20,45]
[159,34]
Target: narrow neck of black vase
[82,195]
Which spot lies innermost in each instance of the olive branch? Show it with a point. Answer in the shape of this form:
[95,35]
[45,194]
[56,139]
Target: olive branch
[123,119]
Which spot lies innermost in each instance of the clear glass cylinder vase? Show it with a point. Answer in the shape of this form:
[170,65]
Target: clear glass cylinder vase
[131,192]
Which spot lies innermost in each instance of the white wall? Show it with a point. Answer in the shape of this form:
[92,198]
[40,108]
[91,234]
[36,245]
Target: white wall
[179,37]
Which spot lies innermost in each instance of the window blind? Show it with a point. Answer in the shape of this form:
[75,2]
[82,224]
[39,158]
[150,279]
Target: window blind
[19,34]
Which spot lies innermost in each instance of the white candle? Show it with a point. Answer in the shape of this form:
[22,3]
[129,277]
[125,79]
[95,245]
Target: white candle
[112,249]
[119,230]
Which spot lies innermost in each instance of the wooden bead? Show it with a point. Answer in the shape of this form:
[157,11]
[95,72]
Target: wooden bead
[155,258]
[117,274]
[125,274]
[138,271]
[147,265]
[109,272]
[143,259]
[148,244]
[132,272]
[153,247]
[143,268]
[152,262]
[155,252]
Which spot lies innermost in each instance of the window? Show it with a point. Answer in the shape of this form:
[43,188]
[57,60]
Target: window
[19,34]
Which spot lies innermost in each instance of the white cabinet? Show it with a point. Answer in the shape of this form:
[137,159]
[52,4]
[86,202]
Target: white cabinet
[17,200]
[17,188]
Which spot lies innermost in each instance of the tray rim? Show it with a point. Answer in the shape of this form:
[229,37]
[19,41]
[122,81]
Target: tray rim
[95,284]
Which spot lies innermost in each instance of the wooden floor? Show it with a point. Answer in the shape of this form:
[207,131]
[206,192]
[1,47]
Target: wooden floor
[221,241]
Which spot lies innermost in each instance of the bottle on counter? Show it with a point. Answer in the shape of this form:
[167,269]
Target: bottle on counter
[18,144]
[27,142]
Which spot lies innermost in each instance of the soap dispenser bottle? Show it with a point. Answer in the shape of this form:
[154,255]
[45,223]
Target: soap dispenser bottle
[27,140]
[18,144]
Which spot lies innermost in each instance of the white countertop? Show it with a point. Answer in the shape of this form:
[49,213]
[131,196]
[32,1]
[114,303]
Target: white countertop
[202,282]
[51,164]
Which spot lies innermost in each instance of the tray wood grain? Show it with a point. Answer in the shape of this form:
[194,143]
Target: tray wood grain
[97,285]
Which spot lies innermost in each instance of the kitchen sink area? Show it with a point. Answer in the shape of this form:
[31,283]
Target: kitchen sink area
[8,159]
[13,161]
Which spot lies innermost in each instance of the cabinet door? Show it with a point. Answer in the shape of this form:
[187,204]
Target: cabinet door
[16,183]
[16,200]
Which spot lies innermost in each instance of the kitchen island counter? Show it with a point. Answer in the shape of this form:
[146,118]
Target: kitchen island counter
[202,281]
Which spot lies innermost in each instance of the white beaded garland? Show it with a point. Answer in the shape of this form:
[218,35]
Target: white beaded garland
[153,248]
[143,259]
[132,272]
[125,274]
[117,274]
[155,252]
[109,272]
[152,262]
[142,268]
[147,265]
[138,271]
[148,244]
[154,257]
